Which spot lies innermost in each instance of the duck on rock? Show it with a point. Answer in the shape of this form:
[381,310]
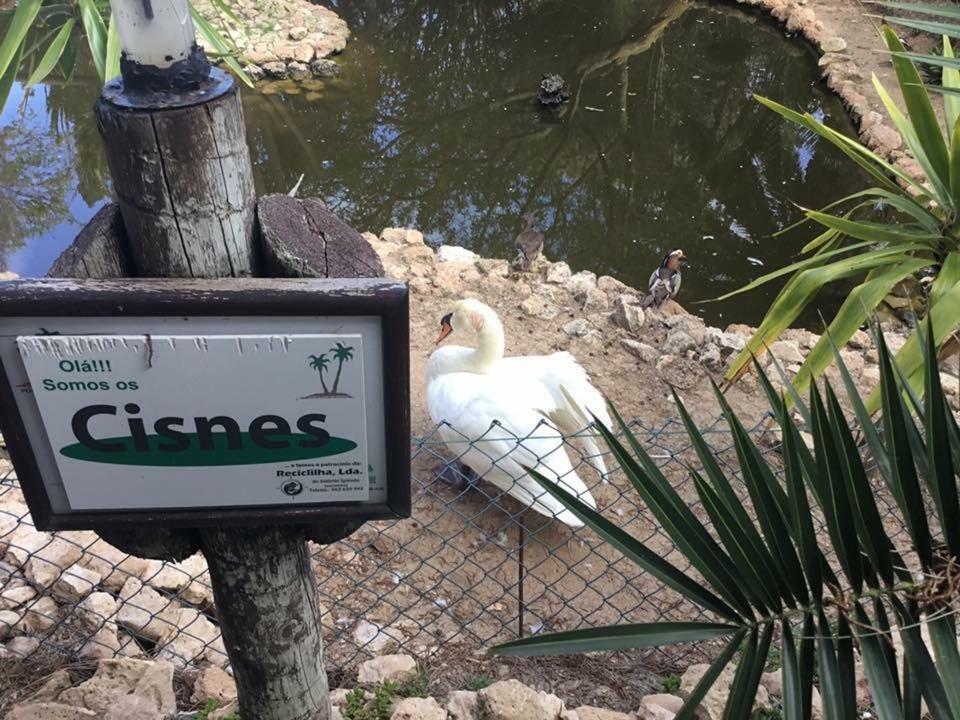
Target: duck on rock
[500,415]
[664,283]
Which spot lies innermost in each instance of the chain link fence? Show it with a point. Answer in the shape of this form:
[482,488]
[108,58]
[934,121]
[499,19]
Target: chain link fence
[471,567]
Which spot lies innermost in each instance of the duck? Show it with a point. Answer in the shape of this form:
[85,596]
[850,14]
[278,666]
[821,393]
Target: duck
[498,415]
[664,282]
[529,244]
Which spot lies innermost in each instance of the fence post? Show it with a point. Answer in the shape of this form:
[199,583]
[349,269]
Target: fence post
[182,173]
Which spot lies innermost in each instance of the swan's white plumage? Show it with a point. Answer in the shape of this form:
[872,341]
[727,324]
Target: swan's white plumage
[534,399]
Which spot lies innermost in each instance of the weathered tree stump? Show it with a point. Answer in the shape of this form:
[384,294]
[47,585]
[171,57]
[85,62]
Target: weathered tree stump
[100,250]
[302,238]
[184,182]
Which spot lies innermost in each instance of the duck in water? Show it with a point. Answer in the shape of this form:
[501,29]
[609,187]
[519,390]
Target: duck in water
[529,244]
[665,280]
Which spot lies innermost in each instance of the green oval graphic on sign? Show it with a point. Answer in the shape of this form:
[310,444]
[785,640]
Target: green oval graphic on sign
[237,449]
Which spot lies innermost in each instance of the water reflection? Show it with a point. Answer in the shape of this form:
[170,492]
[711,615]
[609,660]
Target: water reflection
[433,124]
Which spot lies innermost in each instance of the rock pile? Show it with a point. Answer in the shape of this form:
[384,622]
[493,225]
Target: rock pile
[603,314]
[279,40]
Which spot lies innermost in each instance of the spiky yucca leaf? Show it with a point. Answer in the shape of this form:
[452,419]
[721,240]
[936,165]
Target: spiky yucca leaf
[922,228]
[811,610]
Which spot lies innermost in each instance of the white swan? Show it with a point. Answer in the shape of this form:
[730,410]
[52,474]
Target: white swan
[499,414]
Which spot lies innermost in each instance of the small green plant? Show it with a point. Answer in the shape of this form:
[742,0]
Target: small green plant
[671,684]
[478,682]
[356,707]
[415,686]
[209,705]
[359,708]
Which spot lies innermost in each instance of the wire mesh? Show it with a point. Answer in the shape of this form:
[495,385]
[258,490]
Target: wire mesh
[473,565]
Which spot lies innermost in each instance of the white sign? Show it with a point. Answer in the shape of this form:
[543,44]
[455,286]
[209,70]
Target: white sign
[173,421]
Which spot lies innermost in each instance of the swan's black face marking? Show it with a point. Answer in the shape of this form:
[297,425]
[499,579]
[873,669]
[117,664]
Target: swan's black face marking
[445,327]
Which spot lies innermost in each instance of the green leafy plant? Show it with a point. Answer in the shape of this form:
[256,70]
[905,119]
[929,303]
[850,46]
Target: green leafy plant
[416,685]
[476,683]
[43,37]
[921,230]
[358,707]
[774,577]
[209,705]
[671,684]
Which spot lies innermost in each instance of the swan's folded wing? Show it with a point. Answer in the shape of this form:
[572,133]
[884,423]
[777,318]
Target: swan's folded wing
[573,400]
[497,437]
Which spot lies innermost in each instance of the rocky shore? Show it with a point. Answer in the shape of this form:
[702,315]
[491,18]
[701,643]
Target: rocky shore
[281,40]
[126,688]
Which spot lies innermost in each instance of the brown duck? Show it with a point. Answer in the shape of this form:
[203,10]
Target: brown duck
[529,244]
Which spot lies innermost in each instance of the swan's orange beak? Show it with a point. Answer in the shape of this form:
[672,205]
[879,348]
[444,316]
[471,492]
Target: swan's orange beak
[445,329]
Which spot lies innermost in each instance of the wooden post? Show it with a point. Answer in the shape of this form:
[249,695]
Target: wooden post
[266,599]
[182,176]
[185,192]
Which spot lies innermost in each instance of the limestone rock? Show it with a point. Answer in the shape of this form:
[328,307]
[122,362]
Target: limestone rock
[731,342]
[374,639]
[145,612]
[659,707]
[711,356]
[75,583]
[580,282]
[455,253]
[690,324]
[41,616]
[386,667]
[578,327]
[123,688]
[716,698]
[188,579]
[23,646]
[627,313]
[512,700]
[324,68]
[415,708]
[297,33]
[8,621]
[214,683]
[644,352]
[52,687]
[786,352]
[539,307]
[558,273]
[14,597]
[102,645]
[611,285]
[493,267]
[113,565]
[276,69]
[46,565]
[588,712]
[870,376]
[860,340]
[299,69]
[678,342]
[191,637]
[594,300]
[402,236]
[833,44]
[49,711]
[462,705]
[98,610]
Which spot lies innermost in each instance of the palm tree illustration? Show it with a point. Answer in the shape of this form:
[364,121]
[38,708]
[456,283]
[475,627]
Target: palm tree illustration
[320,363]
[342,354]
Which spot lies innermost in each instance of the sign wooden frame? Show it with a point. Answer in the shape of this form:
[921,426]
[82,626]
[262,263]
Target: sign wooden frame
[249,297]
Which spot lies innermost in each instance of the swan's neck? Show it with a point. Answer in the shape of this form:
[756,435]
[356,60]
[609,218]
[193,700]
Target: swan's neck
[489,350]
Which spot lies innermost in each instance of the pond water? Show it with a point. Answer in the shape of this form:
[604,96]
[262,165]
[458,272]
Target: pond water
[433,124]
